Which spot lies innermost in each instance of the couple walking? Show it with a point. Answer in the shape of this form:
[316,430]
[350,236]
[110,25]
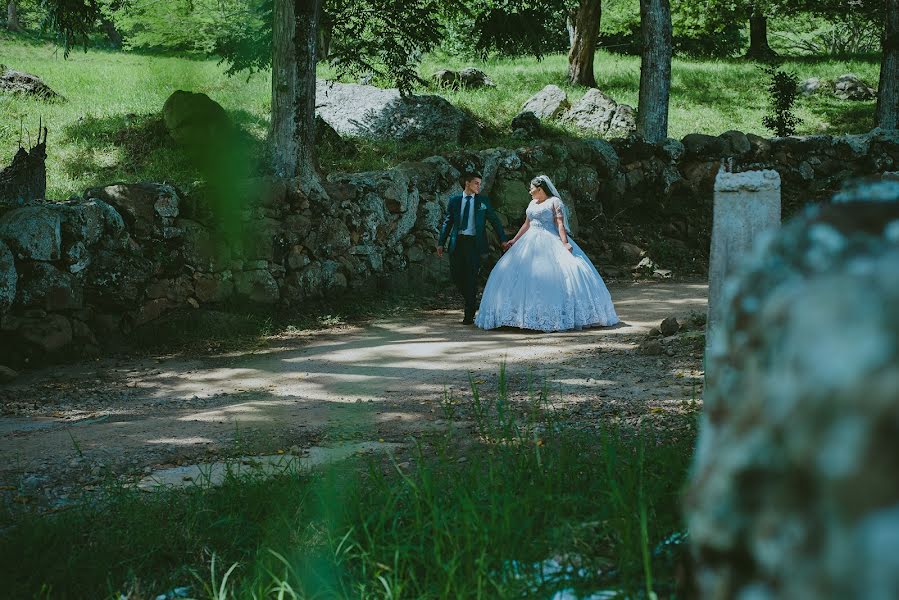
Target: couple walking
[543,281]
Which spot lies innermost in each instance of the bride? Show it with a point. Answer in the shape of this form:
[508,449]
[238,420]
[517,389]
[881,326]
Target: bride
[544,281]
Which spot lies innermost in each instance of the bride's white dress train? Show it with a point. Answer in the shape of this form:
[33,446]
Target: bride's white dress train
[538,284]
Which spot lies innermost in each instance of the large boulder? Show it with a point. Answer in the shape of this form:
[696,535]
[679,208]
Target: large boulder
[604,157]
[736,143]
[812,86]
[33,232]
[194,119]
[599,113]
[851,87]
[8,278]
[844,87]
[26,84]
[794,491]
[367,111]
[548,103]
[469,77]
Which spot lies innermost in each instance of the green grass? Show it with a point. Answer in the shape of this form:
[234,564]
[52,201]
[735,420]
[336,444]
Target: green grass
[466,515]
[109,128]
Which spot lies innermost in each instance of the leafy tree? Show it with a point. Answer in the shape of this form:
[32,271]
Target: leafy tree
[846,35]
[72,20]
[184,25]
[757,12]
[696,30]
[507,27]
[385,39]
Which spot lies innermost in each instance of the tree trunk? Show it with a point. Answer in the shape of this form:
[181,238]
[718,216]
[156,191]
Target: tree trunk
[583,46]
[294,56]
[112,34]
[12,17]
[758,37]
[655,70]
[888,89]
[570,20]
[324,41]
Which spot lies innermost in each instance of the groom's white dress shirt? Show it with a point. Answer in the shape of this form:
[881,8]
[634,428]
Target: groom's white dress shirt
[469,228]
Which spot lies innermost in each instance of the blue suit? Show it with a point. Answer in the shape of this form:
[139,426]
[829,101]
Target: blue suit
[465,251]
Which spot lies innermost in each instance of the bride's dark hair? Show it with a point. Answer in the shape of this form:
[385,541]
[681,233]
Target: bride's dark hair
[540,182]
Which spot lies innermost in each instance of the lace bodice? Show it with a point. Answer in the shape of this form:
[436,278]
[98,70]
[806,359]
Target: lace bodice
[543,214]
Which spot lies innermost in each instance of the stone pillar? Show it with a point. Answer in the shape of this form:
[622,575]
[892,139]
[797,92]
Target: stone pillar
[746,204]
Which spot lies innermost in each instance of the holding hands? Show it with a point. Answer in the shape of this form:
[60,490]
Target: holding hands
[507,245]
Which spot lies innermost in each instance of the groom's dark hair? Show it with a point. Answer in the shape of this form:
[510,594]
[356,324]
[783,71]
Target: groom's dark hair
[468,176]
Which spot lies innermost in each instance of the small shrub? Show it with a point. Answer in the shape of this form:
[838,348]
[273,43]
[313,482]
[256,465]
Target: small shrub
[782,90]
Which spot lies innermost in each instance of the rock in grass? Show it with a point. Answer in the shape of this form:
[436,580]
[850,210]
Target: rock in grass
[195,119]
[17,82]
[468,77]
[548,103]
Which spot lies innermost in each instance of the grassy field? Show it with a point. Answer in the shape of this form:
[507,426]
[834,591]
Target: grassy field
[109,128]
[459,515]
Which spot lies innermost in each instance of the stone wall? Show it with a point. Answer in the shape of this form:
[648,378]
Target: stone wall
[75,273]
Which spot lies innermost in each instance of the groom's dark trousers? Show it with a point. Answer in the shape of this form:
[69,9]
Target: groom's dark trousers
[465,250]
[465,263]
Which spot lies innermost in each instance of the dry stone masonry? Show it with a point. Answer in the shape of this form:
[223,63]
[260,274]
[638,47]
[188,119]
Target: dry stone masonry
[78,273]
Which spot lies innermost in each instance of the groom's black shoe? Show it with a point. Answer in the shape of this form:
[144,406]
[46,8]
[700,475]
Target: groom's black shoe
[468,321]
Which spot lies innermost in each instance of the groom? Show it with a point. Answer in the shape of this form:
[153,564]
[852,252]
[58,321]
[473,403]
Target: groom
[465,221]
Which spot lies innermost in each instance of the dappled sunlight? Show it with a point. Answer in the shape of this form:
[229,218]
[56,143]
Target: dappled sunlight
[248,411]
[185,441]
[390,374]
[398,416]
[394,356]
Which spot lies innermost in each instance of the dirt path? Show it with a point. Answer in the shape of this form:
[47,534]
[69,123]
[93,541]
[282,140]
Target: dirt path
[65,428]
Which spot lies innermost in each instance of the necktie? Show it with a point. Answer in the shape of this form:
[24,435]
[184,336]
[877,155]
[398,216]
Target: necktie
[466,201]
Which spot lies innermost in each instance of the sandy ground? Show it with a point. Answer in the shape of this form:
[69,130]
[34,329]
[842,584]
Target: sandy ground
[66,428]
